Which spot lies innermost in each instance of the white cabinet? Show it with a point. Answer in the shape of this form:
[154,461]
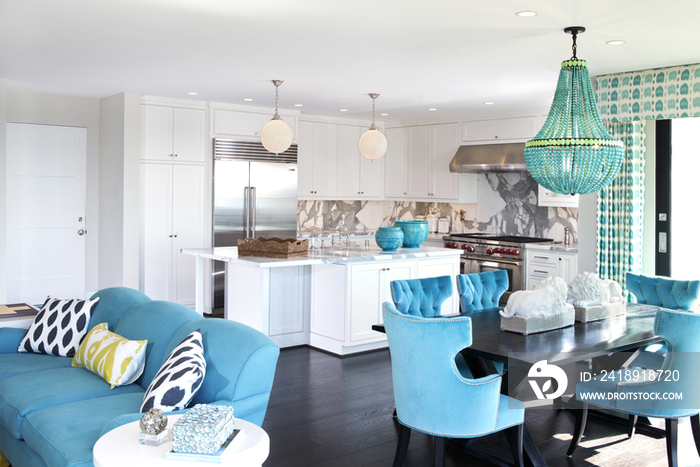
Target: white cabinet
[506,130]
[317,160]
[395,168]
[172,134]
[369,289]
[173,217]
[549,198]
[247,123]
[539,264]
[346,301]
[417,163]
[358,177]
[331,166]
[442,267]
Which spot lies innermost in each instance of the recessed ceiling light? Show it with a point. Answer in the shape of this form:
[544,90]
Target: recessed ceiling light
[526,14]
[191,93]
[343,110]
[248,99]
[615,42]
[488,103]
[432,109]
[298,105]
[384,114]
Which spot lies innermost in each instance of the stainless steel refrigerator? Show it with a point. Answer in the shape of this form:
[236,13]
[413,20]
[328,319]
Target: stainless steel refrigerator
[255,195]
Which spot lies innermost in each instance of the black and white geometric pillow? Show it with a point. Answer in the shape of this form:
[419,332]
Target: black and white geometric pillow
[59,327]
[179,378]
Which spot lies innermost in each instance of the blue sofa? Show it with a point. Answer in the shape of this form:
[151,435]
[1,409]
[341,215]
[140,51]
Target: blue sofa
[51,414]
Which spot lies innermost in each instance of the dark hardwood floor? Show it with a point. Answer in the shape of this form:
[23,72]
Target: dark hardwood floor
[337,412]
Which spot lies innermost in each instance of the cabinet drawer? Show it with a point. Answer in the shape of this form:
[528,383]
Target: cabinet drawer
[542,258]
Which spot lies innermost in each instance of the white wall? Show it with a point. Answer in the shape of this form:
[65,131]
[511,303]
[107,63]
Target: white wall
[50,109]
[119,191]
[587,232]
[3,193]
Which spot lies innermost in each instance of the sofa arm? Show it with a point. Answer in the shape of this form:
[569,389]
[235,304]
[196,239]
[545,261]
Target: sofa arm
[10,339]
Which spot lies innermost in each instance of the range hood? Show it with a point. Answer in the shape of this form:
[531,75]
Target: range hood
[489,158]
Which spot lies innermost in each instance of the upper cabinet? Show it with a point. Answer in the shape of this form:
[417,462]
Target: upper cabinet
[331,166]
[549,198]
[317,160]
[172,134]
[506,130]
[358,177]
[247,122]
[417,164]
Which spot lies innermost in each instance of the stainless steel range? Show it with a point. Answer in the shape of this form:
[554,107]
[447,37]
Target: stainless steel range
[490,252]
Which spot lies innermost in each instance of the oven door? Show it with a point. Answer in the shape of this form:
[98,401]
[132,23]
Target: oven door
[514,269]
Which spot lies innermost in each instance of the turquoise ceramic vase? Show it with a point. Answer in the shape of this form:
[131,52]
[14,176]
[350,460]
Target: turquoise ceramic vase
[389,238]
[414,232]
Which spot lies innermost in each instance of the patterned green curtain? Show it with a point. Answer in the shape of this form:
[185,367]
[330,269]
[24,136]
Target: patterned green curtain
[620,208]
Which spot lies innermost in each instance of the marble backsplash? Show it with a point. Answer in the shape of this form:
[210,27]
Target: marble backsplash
[506,204]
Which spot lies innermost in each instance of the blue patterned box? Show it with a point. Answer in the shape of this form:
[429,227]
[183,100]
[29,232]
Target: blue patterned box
[203,429]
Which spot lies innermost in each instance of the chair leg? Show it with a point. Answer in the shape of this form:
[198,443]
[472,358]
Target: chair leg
[695,424]
[439,450]
[516,444]
[402,446]
[672,441]
[581,417]
[632,422]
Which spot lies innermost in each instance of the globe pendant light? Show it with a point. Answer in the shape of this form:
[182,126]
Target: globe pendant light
[276,136]
[573,152]
[373,142]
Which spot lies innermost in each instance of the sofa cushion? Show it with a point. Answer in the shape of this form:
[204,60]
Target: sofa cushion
[63,435]
[23,394]
[113,303]
[14,364]
[116,359]
[59,327]
[180,377]
[155,321]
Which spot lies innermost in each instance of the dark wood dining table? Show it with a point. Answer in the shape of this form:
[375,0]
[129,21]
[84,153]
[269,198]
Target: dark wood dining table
[609,344]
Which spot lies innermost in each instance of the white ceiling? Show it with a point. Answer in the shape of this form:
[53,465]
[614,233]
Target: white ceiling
[453,55]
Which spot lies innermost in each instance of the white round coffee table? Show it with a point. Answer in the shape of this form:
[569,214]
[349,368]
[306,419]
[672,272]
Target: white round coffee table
[121,447]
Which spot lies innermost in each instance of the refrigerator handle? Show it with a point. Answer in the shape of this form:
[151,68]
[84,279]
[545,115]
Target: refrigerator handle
[253,210]
[246,212]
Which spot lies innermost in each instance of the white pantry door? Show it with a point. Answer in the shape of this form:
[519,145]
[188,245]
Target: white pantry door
[46,185]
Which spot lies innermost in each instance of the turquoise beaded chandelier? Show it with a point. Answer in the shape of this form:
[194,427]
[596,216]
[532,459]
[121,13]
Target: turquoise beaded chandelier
[573,152]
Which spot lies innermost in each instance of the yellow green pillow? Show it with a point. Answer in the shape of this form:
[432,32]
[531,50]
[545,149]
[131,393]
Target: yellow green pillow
[114,358]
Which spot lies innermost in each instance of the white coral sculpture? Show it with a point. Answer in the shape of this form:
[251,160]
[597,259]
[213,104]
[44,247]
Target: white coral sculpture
[587,289]
[548,298]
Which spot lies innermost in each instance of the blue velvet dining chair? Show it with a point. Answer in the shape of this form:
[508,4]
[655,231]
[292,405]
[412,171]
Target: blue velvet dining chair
[433,397]
[678,375]
[665,292]
[421,297]
[481,290]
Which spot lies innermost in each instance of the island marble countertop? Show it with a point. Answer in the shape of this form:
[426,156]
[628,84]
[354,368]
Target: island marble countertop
[553,246]
[326,256]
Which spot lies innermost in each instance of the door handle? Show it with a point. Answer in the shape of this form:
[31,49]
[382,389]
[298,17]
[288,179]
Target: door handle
[82,232]
[246,212]
[253,210]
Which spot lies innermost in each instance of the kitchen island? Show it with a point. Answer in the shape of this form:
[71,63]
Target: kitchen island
[328,299]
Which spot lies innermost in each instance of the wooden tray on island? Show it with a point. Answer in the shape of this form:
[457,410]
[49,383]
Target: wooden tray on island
[272,247]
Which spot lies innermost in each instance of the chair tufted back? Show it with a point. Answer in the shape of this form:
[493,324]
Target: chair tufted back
[482,290]
[421,297]
[662,291]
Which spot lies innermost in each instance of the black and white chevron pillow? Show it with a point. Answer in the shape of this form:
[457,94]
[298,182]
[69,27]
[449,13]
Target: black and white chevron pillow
[59,327]
[179,378]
